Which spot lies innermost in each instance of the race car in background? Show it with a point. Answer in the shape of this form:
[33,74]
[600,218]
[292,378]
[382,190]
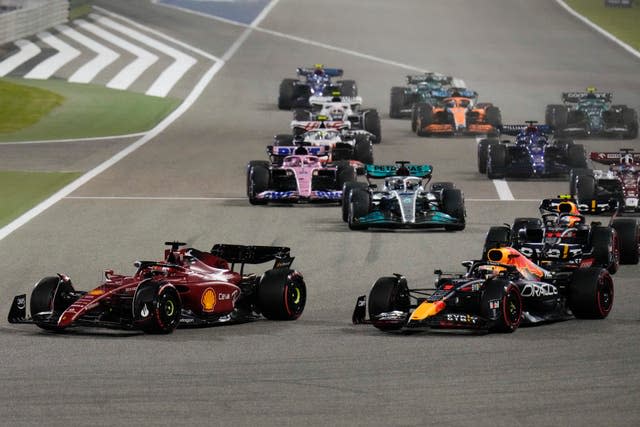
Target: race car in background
[596,189]
[496,294]
[531,155]
[342,108]
[591,113]
[458,114]
[403,201]
[339,142]
[425,88]
[300,176]
[317,82]
[563,236]
[188,287]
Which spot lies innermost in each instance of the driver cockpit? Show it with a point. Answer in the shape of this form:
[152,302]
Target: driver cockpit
[402,183]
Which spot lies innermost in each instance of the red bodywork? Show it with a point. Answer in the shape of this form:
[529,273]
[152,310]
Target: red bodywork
[628,175]
[205,284]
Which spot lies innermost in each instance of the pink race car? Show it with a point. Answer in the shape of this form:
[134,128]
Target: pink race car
[299,177]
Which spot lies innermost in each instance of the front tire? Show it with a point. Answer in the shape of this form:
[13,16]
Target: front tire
[359,202]
[453,205]
[388,294]
[157,307]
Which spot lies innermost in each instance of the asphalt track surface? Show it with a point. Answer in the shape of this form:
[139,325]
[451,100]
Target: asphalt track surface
[188,183]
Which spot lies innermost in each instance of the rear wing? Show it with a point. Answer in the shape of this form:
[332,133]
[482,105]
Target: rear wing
[384,171]
[320,124]
[613,158]
[331,72]
[428,77]
[516,129]
[573,97]
[463,91]
[312,150]
[584,206]
[348,101]
[252,254]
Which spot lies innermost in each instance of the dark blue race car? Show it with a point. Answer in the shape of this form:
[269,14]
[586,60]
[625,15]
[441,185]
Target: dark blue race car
[533,153]
[313,81]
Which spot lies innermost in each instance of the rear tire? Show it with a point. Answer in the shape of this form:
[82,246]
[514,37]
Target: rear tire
[628,231]
[287,94]
[497,165]
[574,176]
[586,188]
[363,150]
[606,249]
[388,294]
[483,154]
[396,102]
[282,294]
[494,117]
[576,156]
[424,118]
[630,120]
[372,125]
[345,173]
[591,293]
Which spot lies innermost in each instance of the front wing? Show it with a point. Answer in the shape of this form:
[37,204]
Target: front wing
[433,219]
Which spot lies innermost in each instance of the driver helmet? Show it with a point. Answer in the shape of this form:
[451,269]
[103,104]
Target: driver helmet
[489,270]
[411,184]
[318,70]
[336,113]
[626,160]
[395,184]
[570,220]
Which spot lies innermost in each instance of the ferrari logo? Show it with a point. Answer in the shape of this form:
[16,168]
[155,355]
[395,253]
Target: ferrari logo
[208,300]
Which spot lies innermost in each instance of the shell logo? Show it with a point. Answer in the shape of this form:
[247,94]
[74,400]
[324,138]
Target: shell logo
[208,300]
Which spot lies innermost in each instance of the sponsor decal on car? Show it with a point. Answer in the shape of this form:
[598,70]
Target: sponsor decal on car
[538,290]
[208,300]
[462,318]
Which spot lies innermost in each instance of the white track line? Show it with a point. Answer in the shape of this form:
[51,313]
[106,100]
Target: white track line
[207,199]
[130,73]
[177,113]
[503,189]
[170,75]
[49,66]
[96,138]
[90,69]
[27,51]
[602,31]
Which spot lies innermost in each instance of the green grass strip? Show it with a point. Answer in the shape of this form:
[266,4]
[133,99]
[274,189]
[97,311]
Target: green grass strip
[20,191]
[622,22]
[23,106]
[88,111]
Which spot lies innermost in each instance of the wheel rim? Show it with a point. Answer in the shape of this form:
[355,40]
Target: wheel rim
[512,309]
[294,298]
[605,295]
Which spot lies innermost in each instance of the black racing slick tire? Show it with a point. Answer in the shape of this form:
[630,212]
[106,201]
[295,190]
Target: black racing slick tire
[605,247]
[359,201]
[574,176]
[346,194]
[156,307]
[501,302]
[257,180]
[344,173]
[396,102]
[388,294]
[48,296]
[483,153]
[494,116]
[282,294]
[630,121]
[527,223]
[363,149]
[286,94]
[628,231]
[371,124]
[497,164]
[591,293]
[424,118]
[453,205]
[576,156]
[585,188]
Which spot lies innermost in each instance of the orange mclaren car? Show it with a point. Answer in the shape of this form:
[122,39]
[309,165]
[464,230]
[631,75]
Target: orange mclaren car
[457,115]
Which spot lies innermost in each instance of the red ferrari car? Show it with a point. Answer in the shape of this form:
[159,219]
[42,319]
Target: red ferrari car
[188,287]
